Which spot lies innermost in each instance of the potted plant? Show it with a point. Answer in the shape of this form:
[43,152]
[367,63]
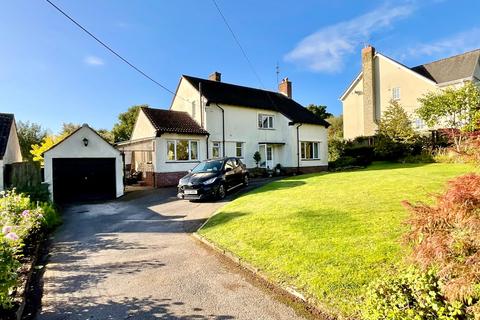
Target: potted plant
[278,169]
[257,157]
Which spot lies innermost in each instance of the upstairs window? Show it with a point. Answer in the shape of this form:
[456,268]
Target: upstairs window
[265,121]
[310,150]
[396,93]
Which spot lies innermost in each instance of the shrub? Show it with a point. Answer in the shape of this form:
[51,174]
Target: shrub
[424,157]
[21,224]
[389,149]
[335,149]
[9,266]
[447,236]
[410,295]
[363,154]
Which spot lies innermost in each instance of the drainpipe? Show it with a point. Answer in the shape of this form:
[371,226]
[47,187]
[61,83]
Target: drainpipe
[208,136]
[200,104]
[298,148]
[223,129]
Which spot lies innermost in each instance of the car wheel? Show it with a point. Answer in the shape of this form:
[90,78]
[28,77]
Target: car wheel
[246,181]
[221,192]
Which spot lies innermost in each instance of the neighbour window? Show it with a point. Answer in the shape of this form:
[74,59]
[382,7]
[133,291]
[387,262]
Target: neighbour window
[396,93]
[419,124]
[193,150]
[239,149]
[310,150]
[194,109]
[265,121]
[216,146]
[182,150]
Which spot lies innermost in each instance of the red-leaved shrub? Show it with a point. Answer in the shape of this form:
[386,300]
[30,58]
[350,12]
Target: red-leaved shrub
[446,237]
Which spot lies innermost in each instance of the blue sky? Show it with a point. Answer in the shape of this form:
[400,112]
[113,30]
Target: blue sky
[51,72]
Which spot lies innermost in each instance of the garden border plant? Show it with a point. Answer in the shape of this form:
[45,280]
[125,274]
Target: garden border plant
[24,225]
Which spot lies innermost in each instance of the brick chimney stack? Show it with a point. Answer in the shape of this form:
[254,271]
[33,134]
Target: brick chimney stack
[216,76]
[285,87]
[369,103]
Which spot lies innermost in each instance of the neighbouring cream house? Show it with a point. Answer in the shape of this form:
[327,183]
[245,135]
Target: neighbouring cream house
[9,145]
[383,79]
[210,119]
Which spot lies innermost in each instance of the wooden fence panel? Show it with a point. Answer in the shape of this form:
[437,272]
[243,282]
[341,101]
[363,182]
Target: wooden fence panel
[23,175]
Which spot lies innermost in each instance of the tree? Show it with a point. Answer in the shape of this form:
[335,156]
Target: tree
[68,128]
[122,130]
[456,109]
[395,123]
[335,131]
[106,134]
[29,133]
[39,148]
[320,111]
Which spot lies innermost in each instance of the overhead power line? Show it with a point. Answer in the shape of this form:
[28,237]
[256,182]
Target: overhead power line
[238,43]
[111,50]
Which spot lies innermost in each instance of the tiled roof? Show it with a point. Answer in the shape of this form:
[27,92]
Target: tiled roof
[6,120]
[450,69]
[168,121]
[230,94]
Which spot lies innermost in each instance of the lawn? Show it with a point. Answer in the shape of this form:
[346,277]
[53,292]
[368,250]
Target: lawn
[328,235]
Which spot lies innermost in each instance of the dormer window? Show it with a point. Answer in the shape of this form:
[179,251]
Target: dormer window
[396,93]
[265,121]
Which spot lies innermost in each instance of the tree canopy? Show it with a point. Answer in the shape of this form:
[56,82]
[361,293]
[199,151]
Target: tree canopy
[335,131]
[29,133]
[457,109]
[320,111]
[122,130]
[395,123]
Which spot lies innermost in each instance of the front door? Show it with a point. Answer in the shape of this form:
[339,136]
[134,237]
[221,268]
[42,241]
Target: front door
[266,152]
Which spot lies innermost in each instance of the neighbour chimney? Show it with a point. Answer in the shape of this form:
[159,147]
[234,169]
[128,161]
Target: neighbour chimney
[369,104]
[216,76]
[285,87]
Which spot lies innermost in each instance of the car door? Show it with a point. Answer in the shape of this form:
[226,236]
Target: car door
[230,173]
[238,171]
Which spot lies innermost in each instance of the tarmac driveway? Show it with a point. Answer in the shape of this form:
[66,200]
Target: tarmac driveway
[134,259]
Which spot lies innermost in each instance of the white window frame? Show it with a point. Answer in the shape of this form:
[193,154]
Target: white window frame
[270,124]
[189,149]
[303,150]
[241,147]
[396,93]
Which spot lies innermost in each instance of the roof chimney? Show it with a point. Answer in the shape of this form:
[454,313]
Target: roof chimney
[216,76]
[285,87]
[369,103]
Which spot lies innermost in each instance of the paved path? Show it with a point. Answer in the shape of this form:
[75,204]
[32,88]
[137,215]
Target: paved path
[134,259]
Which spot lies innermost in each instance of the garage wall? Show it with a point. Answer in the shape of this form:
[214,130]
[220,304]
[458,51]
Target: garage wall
[73,147]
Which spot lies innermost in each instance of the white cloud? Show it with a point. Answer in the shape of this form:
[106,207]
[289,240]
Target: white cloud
[455,44]
[93,61]
[324,50]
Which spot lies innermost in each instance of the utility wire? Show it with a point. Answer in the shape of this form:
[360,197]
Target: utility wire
[238,43]
[111,50]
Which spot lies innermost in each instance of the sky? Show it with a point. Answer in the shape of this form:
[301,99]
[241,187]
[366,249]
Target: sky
[51,72]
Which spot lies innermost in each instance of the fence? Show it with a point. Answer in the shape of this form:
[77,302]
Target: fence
[23,175]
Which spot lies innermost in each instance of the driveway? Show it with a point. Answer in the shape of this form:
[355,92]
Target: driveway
[134,258]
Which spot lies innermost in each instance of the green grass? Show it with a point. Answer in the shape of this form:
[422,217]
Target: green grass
[328,235]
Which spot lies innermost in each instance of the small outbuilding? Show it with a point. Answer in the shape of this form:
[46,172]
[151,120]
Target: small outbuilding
[84,167]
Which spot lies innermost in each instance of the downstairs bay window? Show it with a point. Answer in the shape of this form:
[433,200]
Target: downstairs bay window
[182,150]
[310,150]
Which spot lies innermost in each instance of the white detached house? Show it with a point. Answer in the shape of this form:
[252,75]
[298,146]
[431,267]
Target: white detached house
[210,119]
[9,145]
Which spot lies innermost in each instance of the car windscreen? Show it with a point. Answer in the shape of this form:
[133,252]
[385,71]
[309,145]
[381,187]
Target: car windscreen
[208,166]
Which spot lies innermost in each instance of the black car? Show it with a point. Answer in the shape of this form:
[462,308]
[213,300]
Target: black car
[213,178]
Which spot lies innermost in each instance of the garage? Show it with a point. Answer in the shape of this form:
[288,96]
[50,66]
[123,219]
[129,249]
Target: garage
[84,167]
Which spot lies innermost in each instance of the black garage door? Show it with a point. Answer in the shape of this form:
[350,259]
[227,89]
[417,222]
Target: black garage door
[83,179]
